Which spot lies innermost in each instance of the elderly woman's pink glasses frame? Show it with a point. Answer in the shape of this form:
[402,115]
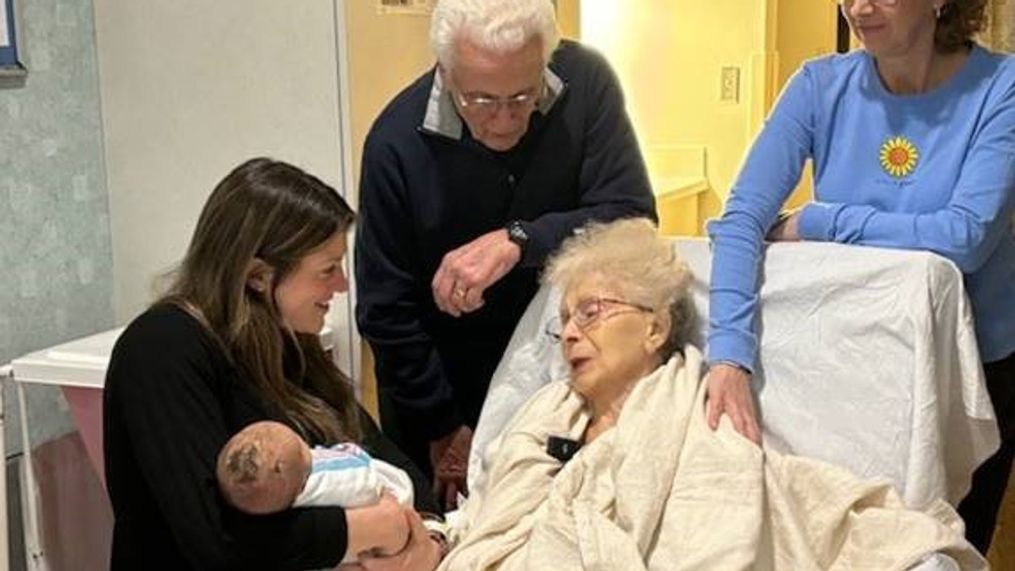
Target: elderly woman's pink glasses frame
[588,313]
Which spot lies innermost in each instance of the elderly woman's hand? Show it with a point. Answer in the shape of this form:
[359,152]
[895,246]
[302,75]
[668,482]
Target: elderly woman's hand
[729,393]
[422,553]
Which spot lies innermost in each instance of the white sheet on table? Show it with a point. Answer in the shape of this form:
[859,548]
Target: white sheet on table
[868,360]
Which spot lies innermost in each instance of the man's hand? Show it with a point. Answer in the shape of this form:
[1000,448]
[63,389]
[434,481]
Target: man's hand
[449,457]
[786,229]
[729,393]
[466,272]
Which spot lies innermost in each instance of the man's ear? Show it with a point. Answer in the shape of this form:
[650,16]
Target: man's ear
[259,275]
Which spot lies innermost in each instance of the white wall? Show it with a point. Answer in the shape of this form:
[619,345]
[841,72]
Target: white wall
[191,88]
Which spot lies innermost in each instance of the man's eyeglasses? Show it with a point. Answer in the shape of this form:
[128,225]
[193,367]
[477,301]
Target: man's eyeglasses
[590,312]
[487,106]
[849,3]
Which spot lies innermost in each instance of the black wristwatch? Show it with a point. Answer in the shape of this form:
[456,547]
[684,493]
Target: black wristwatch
[517,234]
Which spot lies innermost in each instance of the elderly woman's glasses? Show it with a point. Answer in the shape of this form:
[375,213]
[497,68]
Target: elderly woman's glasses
[488,105]
[590,312]
[849,3]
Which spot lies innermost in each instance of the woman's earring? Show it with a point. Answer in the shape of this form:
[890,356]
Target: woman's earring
[259,276]
[937,12]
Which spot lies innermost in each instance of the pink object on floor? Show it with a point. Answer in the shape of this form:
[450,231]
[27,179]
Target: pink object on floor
[86,408]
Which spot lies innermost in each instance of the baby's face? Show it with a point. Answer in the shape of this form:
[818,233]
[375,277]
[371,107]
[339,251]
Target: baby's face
[286,464]
[292,465]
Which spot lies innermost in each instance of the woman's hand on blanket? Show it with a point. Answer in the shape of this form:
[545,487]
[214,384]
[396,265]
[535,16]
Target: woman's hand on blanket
[729,393]
[421,553]
[449,457]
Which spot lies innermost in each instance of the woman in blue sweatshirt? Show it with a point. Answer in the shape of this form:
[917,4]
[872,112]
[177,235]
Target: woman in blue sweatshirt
[912,141]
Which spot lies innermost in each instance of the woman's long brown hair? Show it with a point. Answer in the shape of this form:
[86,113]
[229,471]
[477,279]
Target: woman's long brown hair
[274,212]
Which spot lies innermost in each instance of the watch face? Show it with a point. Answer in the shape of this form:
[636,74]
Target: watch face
[517,234]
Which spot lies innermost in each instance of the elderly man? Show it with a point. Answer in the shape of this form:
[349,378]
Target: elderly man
[471,176]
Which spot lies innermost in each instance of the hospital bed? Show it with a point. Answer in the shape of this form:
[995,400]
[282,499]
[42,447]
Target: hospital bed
[868,360]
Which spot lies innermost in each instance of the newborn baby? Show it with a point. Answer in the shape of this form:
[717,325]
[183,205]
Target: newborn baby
[266,468]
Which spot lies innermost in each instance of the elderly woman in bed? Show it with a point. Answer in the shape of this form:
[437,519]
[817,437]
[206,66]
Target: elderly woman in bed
[621,316]
[616,468]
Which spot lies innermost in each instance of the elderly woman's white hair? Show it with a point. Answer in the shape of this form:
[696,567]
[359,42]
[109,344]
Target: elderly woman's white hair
[631,257]
[494,25]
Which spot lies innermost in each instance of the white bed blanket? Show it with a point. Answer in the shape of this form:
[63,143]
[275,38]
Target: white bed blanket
[662,491]
[868,360]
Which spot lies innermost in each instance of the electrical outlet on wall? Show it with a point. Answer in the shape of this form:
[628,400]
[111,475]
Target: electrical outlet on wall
[729,84]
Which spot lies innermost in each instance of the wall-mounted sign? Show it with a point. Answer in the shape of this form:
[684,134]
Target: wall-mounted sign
[10,65]
[5,30]
[418,7]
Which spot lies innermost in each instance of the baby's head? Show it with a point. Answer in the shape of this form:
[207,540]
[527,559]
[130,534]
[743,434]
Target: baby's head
[263,468]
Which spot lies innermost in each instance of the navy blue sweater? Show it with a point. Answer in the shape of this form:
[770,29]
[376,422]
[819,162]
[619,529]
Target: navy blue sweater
[424,193]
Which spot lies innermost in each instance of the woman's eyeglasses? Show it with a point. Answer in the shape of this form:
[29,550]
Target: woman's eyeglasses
[590,312]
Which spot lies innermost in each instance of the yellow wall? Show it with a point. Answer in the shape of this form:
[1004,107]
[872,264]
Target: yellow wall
[804,29]
[668,55]
[568,18]
[386,52]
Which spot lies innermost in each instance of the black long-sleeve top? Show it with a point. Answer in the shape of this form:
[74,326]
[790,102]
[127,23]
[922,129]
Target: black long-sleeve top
[172,400]
[427,188]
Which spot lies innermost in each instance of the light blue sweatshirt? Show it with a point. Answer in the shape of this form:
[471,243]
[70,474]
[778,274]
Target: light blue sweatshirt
[934,171]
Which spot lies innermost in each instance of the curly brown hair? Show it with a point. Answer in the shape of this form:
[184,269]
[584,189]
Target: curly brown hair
[960,20]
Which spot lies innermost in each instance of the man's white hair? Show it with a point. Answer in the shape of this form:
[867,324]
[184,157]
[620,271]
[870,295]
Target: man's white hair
[498,26]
